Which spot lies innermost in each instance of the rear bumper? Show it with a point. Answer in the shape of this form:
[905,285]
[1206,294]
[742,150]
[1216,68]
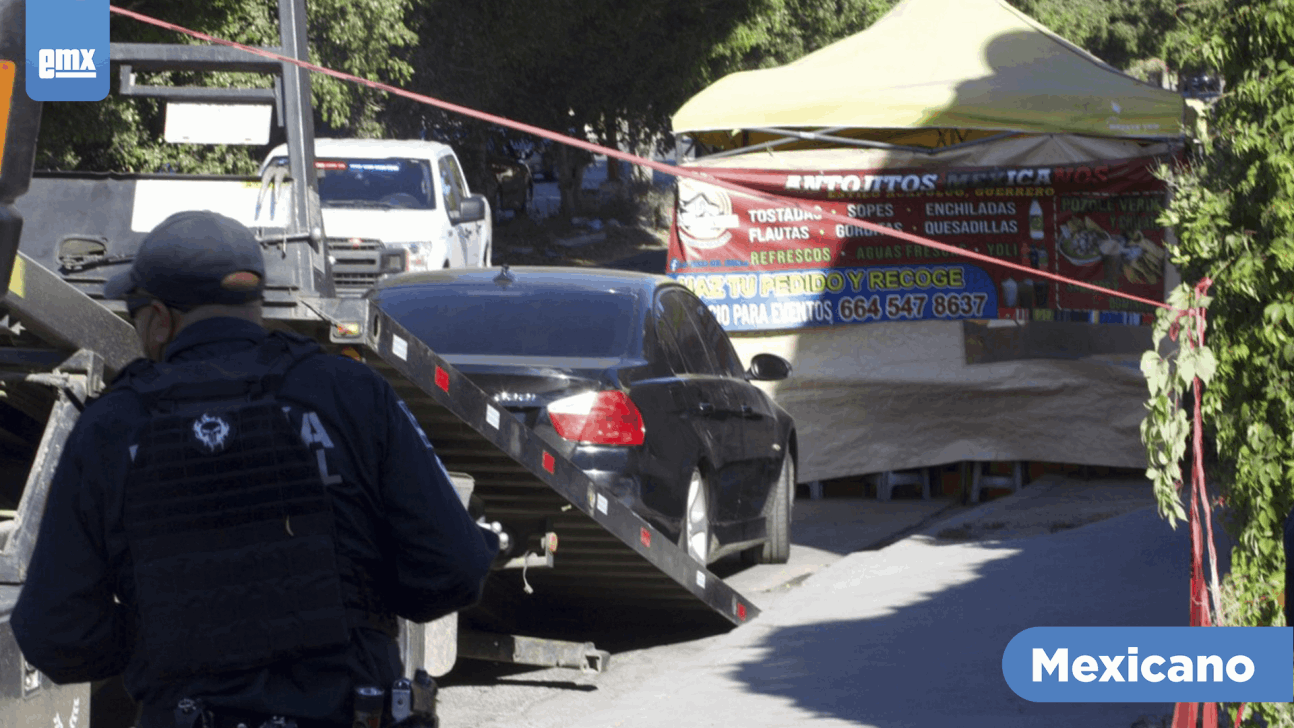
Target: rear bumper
[626,474]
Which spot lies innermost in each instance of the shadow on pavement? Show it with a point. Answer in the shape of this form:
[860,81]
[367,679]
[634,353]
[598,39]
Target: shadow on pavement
[914,635]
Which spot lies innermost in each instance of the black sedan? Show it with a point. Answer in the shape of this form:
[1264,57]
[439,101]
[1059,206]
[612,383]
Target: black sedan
[630,376]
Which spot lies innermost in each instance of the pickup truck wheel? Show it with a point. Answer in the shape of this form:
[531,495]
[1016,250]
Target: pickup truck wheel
[695,538]
[777,518]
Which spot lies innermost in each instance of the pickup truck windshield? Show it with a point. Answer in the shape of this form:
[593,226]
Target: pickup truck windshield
[376,183]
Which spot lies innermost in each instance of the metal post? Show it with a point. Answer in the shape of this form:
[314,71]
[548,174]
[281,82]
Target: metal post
[18,127]
[299,125]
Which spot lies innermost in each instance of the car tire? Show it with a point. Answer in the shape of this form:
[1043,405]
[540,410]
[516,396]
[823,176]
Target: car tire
[777,518]
[694,536]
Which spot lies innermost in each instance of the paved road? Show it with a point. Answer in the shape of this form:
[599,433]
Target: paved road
[650,261]
[910,635]
[547,200]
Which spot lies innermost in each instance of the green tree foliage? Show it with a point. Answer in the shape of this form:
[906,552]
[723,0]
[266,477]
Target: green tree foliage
[1233,211]
[618,70]
[1118,32]
[124,134]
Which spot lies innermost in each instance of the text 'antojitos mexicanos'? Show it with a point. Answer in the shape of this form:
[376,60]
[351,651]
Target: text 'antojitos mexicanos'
[936,181]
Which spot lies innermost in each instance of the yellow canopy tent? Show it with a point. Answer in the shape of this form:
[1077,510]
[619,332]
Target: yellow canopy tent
[933,73]
[938,84]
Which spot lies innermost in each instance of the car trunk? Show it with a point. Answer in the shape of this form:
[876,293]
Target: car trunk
[531,383]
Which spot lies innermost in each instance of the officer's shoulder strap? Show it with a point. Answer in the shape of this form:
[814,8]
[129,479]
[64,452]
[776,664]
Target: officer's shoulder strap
[281,351]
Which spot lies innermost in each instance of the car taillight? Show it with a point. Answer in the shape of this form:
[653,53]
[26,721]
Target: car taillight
[598,418]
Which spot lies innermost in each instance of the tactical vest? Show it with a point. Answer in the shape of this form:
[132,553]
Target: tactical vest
[228,521]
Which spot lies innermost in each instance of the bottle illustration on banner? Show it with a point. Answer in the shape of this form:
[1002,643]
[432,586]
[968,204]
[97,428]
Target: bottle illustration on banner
[1009,291]
[1035,221]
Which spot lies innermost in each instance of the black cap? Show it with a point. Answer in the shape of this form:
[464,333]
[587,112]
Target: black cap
[190,259]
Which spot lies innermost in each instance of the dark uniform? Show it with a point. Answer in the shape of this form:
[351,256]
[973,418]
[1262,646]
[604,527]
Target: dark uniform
[404,543]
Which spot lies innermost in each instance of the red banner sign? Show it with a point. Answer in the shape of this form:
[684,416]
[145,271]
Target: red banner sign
[764,266]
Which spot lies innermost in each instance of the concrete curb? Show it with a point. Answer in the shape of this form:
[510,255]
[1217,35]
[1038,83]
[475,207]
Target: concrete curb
[1020,499]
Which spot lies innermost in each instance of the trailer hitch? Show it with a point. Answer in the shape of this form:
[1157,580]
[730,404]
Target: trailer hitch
[522,650]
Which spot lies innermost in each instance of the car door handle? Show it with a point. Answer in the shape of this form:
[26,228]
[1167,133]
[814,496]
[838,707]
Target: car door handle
[705,408]
[747,411]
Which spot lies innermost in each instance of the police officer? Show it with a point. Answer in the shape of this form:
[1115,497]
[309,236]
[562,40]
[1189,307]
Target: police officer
[239,519]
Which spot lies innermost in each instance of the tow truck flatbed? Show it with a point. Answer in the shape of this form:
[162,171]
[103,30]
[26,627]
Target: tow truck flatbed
[60,342]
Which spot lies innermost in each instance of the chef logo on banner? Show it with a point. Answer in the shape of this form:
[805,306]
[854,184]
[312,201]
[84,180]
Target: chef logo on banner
[704,215]
[761,266]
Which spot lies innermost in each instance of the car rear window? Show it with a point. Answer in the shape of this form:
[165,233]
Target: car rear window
[562,323]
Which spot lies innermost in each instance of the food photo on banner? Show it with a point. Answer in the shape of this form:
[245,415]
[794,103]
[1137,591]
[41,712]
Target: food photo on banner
[762,267]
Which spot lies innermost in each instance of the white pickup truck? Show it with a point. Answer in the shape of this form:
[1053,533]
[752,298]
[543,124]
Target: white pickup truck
[403,200]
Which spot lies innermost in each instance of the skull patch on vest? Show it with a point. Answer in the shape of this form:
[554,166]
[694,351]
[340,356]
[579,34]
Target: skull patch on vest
[212,433]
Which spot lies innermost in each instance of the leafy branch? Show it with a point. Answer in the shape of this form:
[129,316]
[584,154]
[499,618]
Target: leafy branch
[1178,357]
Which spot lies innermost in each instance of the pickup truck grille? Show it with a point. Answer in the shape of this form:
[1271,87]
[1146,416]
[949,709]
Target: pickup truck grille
[356,264]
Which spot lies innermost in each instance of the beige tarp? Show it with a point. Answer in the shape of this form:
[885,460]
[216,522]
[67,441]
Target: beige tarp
[970,65]
[894,396]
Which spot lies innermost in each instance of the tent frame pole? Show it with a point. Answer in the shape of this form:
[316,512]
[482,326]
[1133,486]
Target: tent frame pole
[828,135]
[791,135]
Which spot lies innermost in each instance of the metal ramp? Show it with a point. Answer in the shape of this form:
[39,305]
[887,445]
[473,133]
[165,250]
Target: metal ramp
[608,559]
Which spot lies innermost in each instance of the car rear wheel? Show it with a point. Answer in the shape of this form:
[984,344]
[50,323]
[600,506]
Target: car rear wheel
[696,519]
[777,515]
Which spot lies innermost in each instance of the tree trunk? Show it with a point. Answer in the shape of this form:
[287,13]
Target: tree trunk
[611,140]
[641,174]
[570,179]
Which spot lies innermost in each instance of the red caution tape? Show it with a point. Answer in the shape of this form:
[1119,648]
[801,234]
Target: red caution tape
[1201,615]
[673,170]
